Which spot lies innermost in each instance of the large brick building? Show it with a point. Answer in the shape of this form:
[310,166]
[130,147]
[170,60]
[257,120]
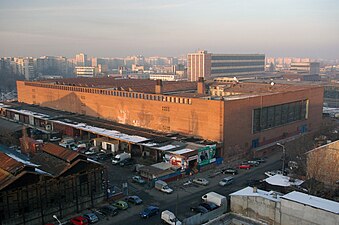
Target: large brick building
[250,116]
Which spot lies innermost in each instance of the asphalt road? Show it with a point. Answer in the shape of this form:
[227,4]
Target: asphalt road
[183,197]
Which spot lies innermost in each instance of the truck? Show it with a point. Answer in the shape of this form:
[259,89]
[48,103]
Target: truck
[162,186]
[215,198]
[121,157]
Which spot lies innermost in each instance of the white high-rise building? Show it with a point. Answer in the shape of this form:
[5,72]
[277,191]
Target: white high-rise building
[25,66]
[210,65]
[81,59]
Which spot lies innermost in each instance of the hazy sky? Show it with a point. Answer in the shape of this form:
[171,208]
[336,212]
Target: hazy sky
[112,28]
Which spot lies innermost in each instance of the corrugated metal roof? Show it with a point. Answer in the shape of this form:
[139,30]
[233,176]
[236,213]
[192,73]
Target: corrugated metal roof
[5,178]
[60,152]
[9,164]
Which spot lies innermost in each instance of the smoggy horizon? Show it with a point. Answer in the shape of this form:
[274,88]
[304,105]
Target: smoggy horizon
[305,28]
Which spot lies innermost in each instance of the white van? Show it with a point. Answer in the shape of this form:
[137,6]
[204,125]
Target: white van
[169,218]
[121,157]
[215,198]
[162,186]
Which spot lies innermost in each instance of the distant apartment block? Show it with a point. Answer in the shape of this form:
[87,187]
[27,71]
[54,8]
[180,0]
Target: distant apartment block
[81,59]
[51,65]
[209,65]
[26,67]
[164,77]
[85,71]
[306,68]
[138,68]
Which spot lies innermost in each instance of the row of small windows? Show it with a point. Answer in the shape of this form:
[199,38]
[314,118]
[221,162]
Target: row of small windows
[117,93]
[331,94]
[238,70]
[277,115]
[220,64]
[232,57]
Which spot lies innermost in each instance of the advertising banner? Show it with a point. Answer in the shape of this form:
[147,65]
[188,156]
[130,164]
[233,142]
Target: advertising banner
[206,155]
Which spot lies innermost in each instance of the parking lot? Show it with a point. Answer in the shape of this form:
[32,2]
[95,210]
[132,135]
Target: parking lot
[186,193]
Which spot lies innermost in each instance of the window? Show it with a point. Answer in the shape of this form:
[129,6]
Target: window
[277,115]
[165,109]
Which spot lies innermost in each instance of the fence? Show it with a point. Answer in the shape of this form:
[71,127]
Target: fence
[203,218]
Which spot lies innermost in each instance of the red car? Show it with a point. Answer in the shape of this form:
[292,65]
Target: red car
[245,166]
[79,220]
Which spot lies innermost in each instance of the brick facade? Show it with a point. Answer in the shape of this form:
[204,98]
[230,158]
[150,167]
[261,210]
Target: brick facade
[226,121]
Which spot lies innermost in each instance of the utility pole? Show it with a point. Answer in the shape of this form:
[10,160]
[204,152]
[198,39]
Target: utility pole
[283,165]
[176,209]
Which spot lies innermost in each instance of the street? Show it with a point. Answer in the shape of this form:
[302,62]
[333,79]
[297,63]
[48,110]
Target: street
[183,197]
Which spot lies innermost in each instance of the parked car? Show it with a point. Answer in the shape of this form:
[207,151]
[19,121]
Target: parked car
[199,209]
[253,163]
[138,179]
[54,139]
[201,181]
[109,210]
[149,211]
[134,199]
[101,156]
[127,162]
[91,217]
[230,171]
[120,205]
[90,152]
[260,160]
[79,220]
[245,166]
[209,206]
[226,181]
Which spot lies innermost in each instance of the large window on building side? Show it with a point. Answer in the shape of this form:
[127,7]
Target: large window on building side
[277,115]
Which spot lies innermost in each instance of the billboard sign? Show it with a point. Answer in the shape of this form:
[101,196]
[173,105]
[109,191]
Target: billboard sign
[207,155]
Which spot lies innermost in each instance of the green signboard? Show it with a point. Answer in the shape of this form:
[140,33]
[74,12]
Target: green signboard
[206,155]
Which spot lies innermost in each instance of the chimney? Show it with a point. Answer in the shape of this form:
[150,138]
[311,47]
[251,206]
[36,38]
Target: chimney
[255,189]
[158,87]
[201,85]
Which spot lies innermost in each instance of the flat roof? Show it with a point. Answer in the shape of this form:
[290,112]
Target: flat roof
[260,88]
[175,88]
[134,85]
[283,181]
[72,118]
[168,147]
[250,192]
[105,132]
[310,200]
[183,151]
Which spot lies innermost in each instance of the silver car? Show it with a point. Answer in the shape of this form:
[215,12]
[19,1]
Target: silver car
[201,181]
[226,181]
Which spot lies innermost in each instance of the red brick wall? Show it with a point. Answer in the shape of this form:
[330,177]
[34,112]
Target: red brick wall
[225,121]
[238,118]
[201,118]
